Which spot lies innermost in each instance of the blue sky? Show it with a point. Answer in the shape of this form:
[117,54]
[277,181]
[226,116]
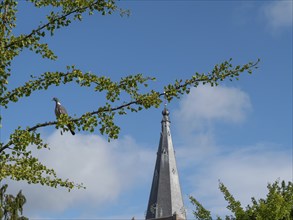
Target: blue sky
[239,132]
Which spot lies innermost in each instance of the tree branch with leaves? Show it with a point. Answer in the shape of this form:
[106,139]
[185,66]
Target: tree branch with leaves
[122,97]
[11,207]
[278,204]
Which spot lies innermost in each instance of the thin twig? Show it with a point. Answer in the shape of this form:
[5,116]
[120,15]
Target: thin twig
[47,24]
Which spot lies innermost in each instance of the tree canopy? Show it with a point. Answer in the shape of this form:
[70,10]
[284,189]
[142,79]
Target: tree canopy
[11,207]
[278,204]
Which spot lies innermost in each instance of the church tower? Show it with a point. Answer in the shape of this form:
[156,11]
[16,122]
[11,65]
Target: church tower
[165,201]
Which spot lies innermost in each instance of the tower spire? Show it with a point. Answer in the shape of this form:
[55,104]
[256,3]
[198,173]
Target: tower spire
[165,197]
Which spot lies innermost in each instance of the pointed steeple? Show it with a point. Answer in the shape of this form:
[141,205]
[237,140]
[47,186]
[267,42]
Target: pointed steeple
[165,198]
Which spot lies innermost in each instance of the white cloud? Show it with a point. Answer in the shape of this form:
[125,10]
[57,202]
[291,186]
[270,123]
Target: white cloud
[208,104]
[245,171]
[106,169]
[123,164]
[278,14]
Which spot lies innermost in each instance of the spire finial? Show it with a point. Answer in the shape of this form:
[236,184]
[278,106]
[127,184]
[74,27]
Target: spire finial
[165,111]
[165,100]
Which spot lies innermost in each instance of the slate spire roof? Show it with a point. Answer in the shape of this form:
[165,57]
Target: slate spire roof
[165,198]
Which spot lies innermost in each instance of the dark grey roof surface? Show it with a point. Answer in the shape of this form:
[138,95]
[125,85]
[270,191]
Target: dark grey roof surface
[165,197]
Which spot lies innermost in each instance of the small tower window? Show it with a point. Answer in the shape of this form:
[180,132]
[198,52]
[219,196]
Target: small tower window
[164,151]
[153,208]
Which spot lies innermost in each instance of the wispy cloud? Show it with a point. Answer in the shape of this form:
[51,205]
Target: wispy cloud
[205,105]
[245,170]
[197,114]
[106,169]
[109,169]
[278,14]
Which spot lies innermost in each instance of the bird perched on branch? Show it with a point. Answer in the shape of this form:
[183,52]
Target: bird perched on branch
[59,109]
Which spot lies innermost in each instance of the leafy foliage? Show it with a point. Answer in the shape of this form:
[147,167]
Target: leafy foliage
[200,212]
[16,160]
[11,207]
[278,205]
